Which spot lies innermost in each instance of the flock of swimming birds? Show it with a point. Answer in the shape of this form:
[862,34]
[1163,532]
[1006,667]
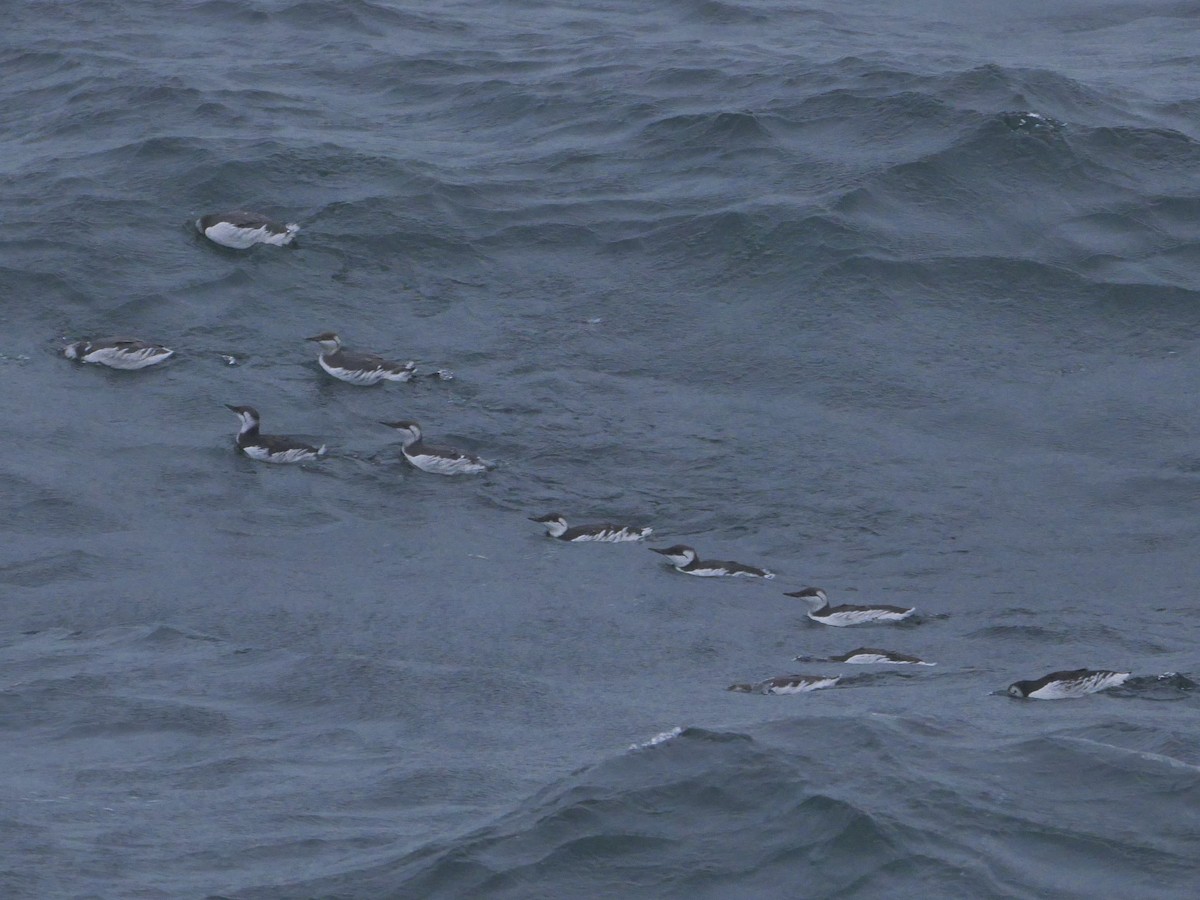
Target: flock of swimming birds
[240,230]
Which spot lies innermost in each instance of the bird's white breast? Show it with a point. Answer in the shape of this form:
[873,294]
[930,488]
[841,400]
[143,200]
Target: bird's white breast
[117,358]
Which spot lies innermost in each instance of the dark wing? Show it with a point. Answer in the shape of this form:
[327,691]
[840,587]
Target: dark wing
[851,608]
[242,219]
[734,566]
[276,443]
[365,362]
[423,449]
[600,528]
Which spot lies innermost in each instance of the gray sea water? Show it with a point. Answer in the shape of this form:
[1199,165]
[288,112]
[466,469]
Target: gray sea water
[803,286]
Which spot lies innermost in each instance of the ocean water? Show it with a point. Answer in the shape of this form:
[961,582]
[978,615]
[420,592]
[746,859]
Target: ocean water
[901,302]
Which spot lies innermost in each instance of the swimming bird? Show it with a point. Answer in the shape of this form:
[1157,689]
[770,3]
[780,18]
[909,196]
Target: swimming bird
[819,610]
[556,527]
[1067,685]
[683,558]
[118,352]
[866,656]
[268,447]
[358,368]
[787,684]
[240,229]
[438,460]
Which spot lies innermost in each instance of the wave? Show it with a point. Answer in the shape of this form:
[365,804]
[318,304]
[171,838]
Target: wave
[892,319]
[821,808]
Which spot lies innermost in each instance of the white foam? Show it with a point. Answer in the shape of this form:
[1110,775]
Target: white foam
[660,738]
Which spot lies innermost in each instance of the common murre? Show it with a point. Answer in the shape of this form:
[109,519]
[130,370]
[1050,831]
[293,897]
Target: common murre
[819,610]
[787,684]
[430,458]
[268,447]
[867,656]
[684,559]
[1067,685]
[357,367]
[118,352]
[606,532]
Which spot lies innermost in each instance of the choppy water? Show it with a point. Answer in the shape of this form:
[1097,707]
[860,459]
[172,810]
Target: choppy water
[804,287]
